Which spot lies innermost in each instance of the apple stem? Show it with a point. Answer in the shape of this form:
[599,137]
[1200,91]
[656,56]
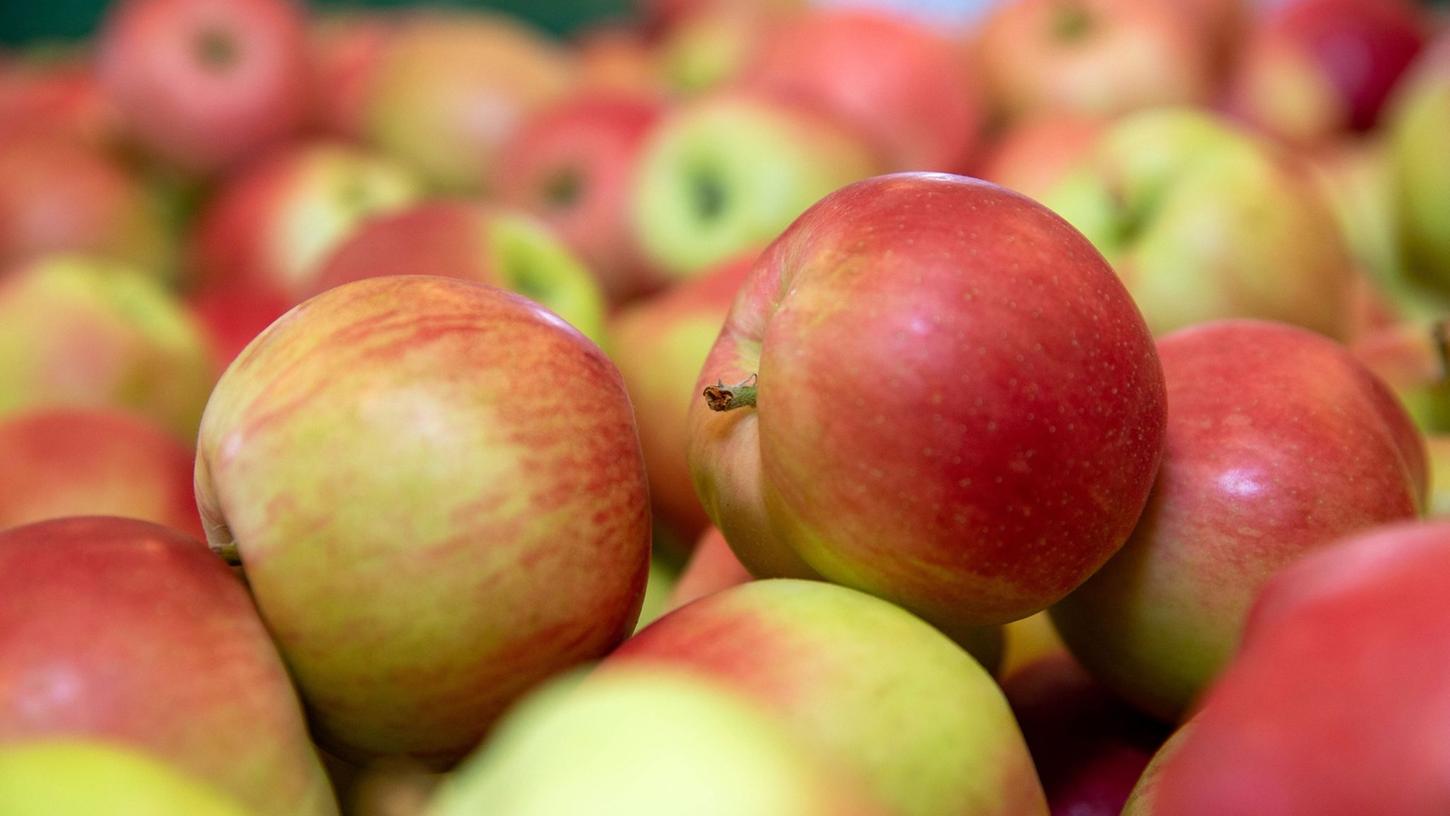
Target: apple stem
[720,397]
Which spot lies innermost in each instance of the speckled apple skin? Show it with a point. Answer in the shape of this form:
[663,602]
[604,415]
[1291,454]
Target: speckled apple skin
[436,491]
[960,410]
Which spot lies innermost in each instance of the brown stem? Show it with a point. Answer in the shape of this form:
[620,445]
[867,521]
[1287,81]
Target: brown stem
[720,397]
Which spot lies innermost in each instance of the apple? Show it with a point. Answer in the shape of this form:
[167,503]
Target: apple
[1417,124]
[1412,358]
[1204,221]
[129,632]
[1279,442]
[910,99]
[659,345]
[1143,800]
[572,165]
[926,731]
[1438,451]
[618,58]
[435,490]
[77,462]
[344,51]
[1027,641]
[261,238]
[936,391]
[712,568]
[83,778]
[451,88]
[1313,69]
[723,175]
[1336,702]
[1034,155]
[60,195]
[1102,57]
[709,46]
[205,83]
[55,96]
[458,239]
[646,743]
[659,588]
[1089,747]
[82,332]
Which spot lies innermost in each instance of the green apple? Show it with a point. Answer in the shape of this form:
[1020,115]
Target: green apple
[1205,221]
[645,743]
[1419,120]
[79,778]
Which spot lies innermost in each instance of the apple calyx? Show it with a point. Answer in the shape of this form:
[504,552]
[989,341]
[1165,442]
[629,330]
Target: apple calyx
[720,397]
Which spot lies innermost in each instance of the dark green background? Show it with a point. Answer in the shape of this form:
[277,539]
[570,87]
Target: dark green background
[26,21]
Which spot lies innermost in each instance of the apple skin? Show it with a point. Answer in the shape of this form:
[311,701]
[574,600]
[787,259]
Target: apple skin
[1313,69]
[646,743]
[810,653]
[659,345]
[619,58]
[1335,705]
[75,462]
[60,195]
[1027,641]
[1417,126]
[83,778]
[1034,155]
[204,83]
[1279,442]
[344,51]
[55,97]
[712,568]
[917,407]
[1100,57]
[1410,358]
[88,333]
[911,99]
[572,165]
[452,87]
[723,175]
[202,686]
[1438,448]
[458,239]
[1204,221]
[507,539]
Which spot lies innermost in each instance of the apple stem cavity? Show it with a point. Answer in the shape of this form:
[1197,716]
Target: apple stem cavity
[720,397]
[227,551]
[216,50]
[1440,339]
[1072,22]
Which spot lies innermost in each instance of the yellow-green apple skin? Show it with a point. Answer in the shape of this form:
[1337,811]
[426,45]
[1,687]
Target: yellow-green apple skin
[435,490]
[1438,448]
[1143,799]
[638,742]
[723,175]
[125,631]
[1279,442]
[659,344]
[1026,641]
[958,407]
[1418,122]
[450,89]
[82,332]
[1204,221]
[459,239]
[926,730]
[85,778]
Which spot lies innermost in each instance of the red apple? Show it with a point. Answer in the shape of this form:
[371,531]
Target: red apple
[1035,154]
[712,568]
[205,83]
[910,98]
[59,97]
[573,166]
[659,345]
[68,462]
[126,631]
[1279,442]
[619,59]
[345,51]
[1336,705]
[945,397]
[1411,358]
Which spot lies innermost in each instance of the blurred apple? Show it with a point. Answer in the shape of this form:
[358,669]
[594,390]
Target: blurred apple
[1143,800]
[958,407]
[1413,359]
[811,653]
[435,490]
[573,165]
[59,195]
[58,97]
[1099,57]
[205,83]
[658,589]
[1279,442]
[1418,124]
[659,345]
[723,176]
[1204,221]
[710,45]
[82,332]
[646,743]
[1336,703]
[73,462]
[1437,447]
[910,99]
[344,52]
[84,778]
[712,567]
[458,239]
[129,632]
[1036,154]
[260,240]
[1313,69]
[618,59]
[452,87]
[1026,641]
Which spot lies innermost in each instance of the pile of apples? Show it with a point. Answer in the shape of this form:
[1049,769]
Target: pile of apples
[742,409]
